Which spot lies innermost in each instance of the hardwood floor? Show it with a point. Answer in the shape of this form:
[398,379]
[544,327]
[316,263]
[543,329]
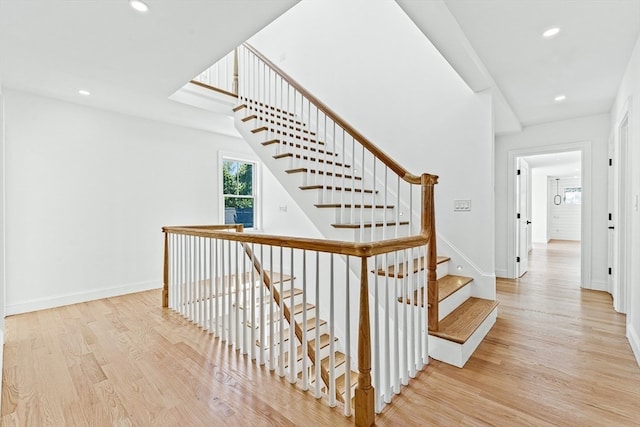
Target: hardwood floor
[557,356]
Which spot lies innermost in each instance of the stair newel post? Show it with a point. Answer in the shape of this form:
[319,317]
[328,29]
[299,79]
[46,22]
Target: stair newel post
[165,273]
[234,87]
[365,415]
[429,229]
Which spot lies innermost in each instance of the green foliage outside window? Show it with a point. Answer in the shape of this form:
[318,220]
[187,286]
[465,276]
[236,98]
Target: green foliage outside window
[237,178]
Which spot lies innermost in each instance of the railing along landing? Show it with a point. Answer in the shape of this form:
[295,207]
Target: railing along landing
[276,299]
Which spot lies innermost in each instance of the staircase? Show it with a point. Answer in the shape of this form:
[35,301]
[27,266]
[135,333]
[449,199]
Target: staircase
[367,207]
[346,205]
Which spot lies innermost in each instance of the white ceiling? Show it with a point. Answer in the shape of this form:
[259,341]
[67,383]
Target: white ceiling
[130,62]
[498,44]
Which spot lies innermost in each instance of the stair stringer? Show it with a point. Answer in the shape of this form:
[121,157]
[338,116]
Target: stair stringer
[484,283]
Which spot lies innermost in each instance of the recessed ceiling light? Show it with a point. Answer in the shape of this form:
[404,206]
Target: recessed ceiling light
[547,34]
[139,5]
[560,98]
[84,92]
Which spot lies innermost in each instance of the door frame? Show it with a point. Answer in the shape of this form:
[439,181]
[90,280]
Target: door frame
[622,214]
[586,178]
[524,216]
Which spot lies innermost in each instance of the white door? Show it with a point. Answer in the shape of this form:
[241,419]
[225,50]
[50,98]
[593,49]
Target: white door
[522,218]
[611,238]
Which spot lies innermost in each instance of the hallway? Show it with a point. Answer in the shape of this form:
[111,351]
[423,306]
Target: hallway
[557,356]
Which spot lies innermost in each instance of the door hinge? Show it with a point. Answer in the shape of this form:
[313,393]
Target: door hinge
[609,217]
[517,259]
[517,216]
[610,162]
[518,172]
[609,271]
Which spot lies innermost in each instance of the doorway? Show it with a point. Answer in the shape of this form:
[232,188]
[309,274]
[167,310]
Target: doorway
[575,158]
[619,217]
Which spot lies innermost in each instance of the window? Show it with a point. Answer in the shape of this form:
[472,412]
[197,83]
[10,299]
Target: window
[573,195]
[238,189]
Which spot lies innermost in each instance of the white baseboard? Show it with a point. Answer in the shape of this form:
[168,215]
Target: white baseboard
[502,274]
[77,297]
[634,339]
[1,360]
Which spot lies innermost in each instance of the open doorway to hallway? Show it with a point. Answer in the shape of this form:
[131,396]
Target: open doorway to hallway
[548,203]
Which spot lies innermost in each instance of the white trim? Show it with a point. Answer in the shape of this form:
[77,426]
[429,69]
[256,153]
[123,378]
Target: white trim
[634,339]
[257,185]
[77,297]
[502,273]
[599,285]
[1,360]
[586,236]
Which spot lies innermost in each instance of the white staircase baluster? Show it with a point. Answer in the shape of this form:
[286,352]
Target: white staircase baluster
[263,337]
[347,343]
[332,359]
[272,335]
[305,353]
[317,330]
[292,335]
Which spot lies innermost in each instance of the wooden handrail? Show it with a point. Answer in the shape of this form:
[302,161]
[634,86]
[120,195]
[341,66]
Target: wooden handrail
[213,88]
[377,152]
[330,246]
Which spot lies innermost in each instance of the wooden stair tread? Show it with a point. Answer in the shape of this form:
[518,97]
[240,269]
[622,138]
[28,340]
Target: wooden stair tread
[448,285]
[311,159]
[369,224]
[339,360]
[287,292]
[331,187]
[299,146]
[349,206]
[307,170]
[299,308]
[418,265]
[288,134]
[462,322]
[247,101]
[260,114]
[341,380]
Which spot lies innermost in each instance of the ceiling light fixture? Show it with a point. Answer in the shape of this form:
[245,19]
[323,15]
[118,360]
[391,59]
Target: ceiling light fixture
[139,5]
[547,34]
[560,98]
[84,92]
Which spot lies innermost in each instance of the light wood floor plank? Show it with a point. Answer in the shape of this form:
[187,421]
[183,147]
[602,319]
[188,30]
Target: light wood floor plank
[556,356]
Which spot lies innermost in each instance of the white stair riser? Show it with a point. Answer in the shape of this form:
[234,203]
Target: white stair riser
[379,233]
[351,216]
[302,179]
[453,301]
[442,270]
[313,161]
[458,354]
[336,196]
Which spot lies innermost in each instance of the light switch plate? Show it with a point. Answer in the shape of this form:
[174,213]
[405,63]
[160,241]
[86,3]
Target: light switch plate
[462,205]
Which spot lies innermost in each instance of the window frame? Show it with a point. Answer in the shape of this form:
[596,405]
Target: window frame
[256,186]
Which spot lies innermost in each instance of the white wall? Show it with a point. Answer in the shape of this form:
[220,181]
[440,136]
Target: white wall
[2,233]
[539,208]
[628,98]
[89,190]
[564,219]
[370,63]
[595,130]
